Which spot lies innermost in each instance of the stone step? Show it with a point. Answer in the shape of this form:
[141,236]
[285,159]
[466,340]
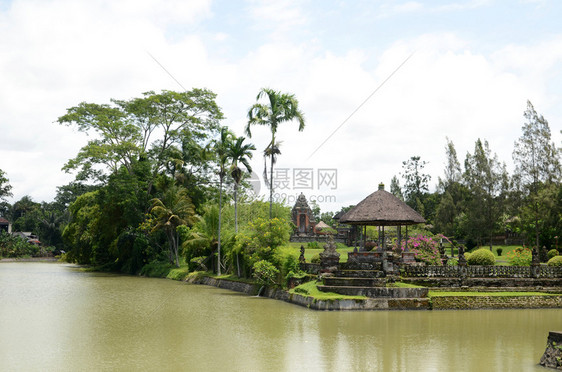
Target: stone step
[359,273]
[362,266]
[376,292]
[354,282]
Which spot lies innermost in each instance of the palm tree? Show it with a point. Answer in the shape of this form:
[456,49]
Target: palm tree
[280,107]
[239,152]
[221,146]
[173,210]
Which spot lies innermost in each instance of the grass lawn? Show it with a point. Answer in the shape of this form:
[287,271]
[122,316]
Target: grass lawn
[343,249]
[310,252]
[310,289]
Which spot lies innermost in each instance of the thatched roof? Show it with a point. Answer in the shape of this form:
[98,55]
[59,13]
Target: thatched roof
[381,208]
[322,225]
[338,215]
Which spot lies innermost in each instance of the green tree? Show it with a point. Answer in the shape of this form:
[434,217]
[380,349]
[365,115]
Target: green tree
[5,187]
[239,153]
[453,193]
[415,182]
[173,210]
[487,181]
[278,108]
[125,130]
[221,148]
[537,165]
[395,188]
[202,239]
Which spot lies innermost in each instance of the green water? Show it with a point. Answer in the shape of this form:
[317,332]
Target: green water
[54,317]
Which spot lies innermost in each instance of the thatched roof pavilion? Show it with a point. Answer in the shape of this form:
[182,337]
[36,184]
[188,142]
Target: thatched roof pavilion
[381,208]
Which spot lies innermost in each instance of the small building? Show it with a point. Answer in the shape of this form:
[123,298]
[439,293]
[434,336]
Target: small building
[5,225]
[302,216]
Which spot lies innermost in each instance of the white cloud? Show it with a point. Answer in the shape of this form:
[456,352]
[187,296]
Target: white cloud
[60,53]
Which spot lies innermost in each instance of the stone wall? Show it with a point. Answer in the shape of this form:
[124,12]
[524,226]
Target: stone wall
[312,303]
[552,357]
[495,302]
[484,282]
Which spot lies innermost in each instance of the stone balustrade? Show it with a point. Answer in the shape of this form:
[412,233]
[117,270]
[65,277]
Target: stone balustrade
[480,271]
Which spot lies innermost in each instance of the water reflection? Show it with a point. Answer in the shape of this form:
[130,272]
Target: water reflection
[57,318]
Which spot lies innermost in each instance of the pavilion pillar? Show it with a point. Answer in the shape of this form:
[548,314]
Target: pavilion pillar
[406,249]
[399,233]
[364,237]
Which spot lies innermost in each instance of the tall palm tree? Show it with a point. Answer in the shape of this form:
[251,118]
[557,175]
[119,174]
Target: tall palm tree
[239,152]
[279,108]
[221,146]
[171,211]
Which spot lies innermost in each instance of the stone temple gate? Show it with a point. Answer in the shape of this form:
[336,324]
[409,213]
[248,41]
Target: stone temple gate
[302,216]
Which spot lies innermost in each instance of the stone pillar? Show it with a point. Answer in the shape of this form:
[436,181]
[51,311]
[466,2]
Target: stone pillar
[552,357]
[535,264]
[463,269]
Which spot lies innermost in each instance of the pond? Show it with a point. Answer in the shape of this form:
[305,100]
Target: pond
[55,317]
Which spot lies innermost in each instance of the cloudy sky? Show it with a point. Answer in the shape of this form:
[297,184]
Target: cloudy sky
[459,69]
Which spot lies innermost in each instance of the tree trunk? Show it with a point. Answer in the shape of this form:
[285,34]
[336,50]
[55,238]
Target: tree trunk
[176,251]
[235,207]
[271,184]
[219,234]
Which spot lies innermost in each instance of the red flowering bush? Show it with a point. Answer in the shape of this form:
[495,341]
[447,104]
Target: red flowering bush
[425,249]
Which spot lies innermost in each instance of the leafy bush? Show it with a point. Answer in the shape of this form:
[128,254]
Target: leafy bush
[178,273]
[552,253]
[452,262]
[499,251]
[261,238]
[425,249]
[555,261]
[286,259]
[520,257]
[312,245]
[467,255]
[315,259]
[265,272]
[482,256]
[156,269]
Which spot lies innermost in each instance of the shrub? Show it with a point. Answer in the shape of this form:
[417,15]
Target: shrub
[466,255]
[520,257]
[178,273]
[555,261]
[552,253]
[312,245]
[265,272]
[286,259]
[425,249]
[315,259]
[499,251]
[482,256]
[261,239]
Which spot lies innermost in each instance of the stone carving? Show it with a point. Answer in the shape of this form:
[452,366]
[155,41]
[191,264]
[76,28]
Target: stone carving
[301,257]
[330,258]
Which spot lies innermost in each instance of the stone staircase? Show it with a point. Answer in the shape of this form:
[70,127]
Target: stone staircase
[372,284]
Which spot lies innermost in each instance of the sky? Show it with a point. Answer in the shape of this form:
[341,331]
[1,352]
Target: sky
[378,81]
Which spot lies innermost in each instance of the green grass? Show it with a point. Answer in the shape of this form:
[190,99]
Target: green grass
[342,249]
[404,285]
[310,289]
[487,294]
